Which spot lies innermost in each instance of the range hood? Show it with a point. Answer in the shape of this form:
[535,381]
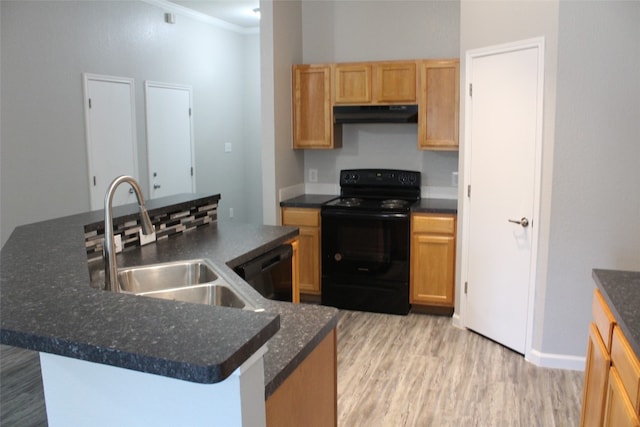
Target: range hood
[375,114]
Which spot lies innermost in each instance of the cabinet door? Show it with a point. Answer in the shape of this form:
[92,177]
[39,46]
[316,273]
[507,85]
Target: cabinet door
[439,105]
[595,380]
[352,83]
[619,411]
[312,110]
[396,82]
[308,222]
[432,269]
[309,256]
[627,365]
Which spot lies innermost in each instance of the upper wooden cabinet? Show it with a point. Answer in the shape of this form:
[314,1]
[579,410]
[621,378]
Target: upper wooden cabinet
[391,82]
[312,108]
[353,84]
[396,82]
[439,105]
[432,84]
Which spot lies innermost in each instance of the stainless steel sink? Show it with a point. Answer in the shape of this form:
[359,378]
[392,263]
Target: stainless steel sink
[213,294]
[160,277]
[194,281]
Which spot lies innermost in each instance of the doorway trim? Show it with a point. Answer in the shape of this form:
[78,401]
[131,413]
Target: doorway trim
[537,43]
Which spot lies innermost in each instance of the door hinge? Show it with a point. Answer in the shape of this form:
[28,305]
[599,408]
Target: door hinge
[191,170]
[189,111]
[94,181]
[469,190]
[471,90]
[89,102]
[465,287]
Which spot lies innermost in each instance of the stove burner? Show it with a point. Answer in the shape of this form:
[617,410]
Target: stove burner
[393,203]
[349,201]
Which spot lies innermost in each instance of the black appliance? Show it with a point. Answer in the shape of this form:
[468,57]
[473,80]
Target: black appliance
[365,241]
[375,114]
[270,273]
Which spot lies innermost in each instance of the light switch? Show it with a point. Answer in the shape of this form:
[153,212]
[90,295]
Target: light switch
[227,147]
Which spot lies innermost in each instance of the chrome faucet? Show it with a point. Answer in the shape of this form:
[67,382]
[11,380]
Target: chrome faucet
[109,251]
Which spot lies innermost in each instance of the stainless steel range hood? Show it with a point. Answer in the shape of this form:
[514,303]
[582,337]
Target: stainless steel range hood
[375,114]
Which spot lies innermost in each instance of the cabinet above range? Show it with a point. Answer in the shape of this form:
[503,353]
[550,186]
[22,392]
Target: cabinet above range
[430,86]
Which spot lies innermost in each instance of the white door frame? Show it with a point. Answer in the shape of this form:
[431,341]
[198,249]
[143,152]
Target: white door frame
[86,77]
[469,56]
[149,84]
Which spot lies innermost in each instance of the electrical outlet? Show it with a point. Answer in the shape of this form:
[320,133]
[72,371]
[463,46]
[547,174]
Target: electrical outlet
[313,175]
[117,243]
[230,212]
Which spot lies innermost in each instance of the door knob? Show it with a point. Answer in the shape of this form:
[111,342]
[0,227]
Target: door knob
[524,222]
[156,186]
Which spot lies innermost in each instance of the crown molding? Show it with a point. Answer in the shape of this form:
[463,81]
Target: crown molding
[168,6]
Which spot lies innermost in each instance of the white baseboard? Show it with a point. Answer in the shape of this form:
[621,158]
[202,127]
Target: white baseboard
[538,358]
[556,361]
[457,321]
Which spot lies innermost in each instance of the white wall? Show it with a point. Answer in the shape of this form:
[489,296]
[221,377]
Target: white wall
[252,148]
[45,48]
[281,46]
[595,213]
[486,23]
[344,31]
[591,147]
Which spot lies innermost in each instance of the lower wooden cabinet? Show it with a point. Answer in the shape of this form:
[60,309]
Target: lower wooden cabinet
[309,397]
[433,254]
[595,379]
[308,221]
[611,394]
[619,411]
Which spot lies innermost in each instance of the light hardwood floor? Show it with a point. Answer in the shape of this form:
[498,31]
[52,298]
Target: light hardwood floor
[419,370]
[415,370]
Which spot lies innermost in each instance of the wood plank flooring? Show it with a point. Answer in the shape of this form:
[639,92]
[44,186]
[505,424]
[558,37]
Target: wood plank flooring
[415,370]
[419,370]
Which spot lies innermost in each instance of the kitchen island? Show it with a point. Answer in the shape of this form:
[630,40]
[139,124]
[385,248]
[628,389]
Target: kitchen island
[611,394]
[47,302]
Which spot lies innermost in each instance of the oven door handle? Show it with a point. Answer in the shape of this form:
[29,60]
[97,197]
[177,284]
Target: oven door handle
[365,215]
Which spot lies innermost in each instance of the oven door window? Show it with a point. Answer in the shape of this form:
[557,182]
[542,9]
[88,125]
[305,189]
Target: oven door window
[369,246]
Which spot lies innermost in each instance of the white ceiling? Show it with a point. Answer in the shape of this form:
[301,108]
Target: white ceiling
[238,12]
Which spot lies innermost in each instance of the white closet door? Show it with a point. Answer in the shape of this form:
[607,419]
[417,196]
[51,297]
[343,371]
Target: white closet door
[169,139]
[111,135]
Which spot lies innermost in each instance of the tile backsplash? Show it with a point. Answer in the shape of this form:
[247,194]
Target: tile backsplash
[168,221]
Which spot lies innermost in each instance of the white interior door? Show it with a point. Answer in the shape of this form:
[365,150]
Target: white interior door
[504,110]
[111,135]
[169,139]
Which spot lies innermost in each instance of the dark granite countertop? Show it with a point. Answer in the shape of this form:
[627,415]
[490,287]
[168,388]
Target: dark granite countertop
[621,290]
[444,206]
[48,305]
[308,201]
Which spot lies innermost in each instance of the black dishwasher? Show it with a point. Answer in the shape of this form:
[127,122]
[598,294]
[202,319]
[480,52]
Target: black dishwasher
[270,273]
